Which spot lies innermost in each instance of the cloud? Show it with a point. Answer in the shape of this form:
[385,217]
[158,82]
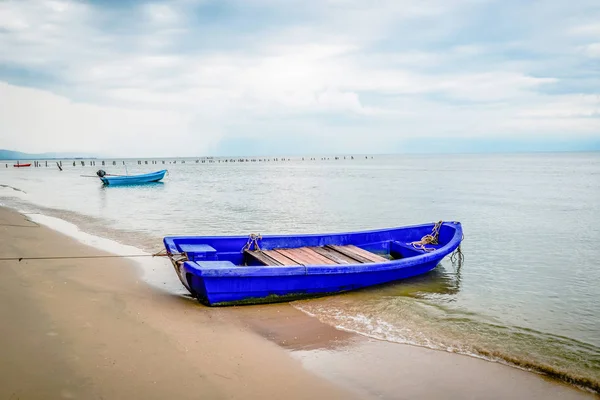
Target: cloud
[577,106]
[587,30]
[41,121]
[591,50]
[162,14]
[206,73]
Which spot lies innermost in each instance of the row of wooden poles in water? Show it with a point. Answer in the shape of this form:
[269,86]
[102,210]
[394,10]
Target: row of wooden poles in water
[198,161]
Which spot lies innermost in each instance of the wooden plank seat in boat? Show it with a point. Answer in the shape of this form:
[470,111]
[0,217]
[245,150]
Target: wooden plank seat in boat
[358,254]
[262,258]
[333,255]
[327,255]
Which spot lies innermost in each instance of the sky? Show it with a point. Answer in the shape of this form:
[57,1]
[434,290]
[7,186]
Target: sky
[265,77]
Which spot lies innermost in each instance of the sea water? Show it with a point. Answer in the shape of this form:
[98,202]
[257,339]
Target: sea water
[527,292]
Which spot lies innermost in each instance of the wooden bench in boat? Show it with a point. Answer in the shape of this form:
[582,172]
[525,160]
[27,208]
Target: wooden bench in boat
[326,255]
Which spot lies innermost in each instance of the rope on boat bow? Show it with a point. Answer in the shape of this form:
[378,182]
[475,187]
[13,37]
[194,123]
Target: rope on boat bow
[431,238]
[252,240]
[178,258]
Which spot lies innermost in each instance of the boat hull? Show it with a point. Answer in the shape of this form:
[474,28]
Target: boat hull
[21,165]
[224,291]
[133,179]
[215,277]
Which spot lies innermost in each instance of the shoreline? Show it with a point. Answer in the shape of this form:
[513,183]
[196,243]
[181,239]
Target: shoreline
[335,362]
[91,329]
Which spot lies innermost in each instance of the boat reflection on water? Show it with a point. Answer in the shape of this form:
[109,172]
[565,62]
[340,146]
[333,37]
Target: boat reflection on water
[444,279]
[132,185]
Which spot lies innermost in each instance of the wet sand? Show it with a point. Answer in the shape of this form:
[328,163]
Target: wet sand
[91,328]
[377,369]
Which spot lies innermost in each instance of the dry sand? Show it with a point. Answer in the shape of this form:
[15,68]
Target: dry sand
[90,329]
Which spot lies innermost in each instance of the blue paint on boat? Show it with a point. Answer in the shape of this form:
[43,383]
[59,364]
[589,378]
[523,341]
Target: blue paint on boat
[216,270]
[113,180]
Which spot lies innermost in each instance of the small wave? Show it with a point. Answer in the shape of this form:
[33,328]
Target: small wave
[579,380]
[412,321]
[13,188]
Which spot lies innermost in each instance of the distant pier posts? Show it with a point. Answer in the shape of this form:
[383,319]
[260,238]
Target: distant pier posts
[201,160]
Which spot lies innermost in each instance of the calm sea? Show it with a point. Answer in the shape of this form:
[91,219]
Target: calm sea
[527,292]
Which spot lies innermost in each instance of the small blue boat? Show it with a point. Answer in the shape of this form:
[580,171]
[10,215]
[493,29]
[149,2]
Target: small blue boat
[230,270]
[112,180]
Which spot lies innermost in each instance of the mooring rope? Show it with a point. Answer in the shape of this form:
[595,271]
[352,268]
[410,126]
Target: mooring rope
[431,238]
[22,226]
[162,253]
[457,255]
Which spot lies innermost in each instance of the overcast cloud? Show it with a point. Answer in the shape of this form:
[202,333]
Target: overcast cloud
[184,78]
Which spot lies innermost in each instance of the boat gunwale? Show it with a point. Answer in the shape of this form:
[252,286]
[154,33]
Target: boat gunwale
[316,269]
[161,172]
[170,239]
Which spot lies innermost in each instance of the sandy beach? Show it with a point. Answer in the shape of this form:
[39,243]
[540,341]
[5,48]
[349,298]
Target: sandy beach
[91,329]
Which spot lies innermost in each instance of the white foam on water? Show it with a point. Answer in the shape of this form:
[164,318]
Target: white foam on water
[401,328]
[379,329]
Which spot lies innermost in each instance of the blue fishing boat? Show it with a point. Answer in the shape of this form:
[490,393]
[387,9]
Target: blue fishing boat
[112,180]
[229,270]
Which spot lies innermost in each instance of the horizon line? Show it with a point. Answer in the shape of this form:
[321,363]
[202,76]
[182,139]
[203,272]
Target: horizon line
[322,155]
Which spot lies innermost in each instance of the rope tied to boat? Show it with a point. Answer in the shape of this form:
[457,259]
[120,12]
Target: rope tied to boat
[457,256]
[162,253]
[431,238]
[178,258]
[252,240]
